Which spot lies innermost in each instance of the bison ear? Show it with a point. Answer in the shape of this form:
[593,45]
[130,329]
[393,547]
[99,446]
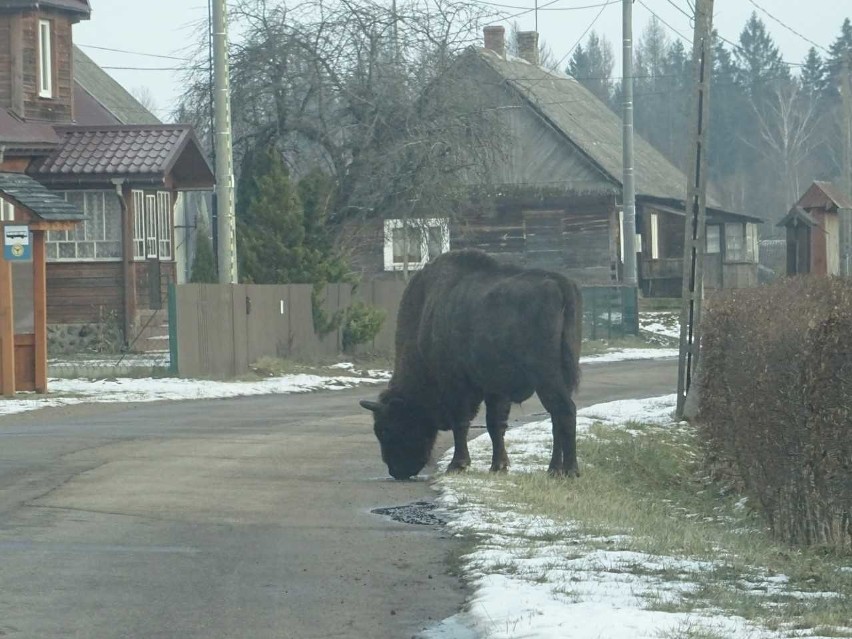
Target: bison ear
[370,405]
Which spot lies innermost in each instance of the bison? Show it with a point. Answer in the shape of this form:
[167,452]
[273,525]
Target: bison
[471,329]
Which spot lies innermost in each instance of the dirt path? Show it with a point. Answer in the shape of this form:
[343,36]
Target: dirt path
[226,518]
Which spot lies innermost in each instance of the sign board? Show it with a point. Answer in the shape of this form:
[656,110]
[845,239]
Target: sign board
[16,244]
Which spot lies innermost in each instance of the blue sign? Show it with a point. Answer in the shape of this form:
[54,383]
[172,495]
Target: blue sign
[16,244]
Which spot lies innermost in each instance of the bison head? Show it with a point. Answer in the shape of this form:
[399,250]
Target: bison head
[406,434]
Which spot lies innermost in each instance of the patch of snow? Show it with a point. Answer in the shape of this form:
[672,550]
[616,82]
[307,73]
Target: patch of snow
[80,391]
[628,354]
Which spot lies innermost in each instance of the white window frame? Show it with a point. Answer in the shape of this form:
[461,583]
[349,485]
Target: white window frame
[716,247]
[424,224]
[746,234]
[164,225]
[655,236]
[83,233]
[138,224]
[151,238]
[7,211]
[45,59]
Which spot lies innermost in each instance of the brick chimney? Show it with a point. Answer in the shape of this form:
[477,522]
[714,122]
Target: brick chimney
[495,39]
[528,46]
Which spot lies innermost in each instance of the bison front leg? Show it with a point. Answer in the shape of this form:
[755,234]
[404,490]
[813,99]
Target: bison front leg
[496,419]
[461,456]
[563,415]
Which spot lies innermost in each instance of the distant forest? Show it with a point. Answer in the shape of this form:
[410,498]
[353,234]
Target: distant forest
[775,125]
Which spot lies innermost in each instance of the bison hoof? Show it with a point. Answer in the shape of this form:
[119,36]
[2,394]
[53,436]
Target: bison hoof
[499,468]
[457,466]
[561,472]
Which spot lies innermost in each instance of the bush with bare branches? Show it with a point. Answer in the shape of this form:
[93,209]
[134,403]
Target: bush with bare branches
[776,414]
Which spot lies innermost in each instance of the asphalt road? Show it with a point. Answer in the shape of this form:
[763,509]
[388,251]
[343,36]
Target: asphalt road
[242,518]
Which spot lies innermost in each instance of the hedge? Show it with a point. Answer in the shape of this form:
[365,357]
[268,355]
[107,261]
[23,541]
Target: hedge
[776,403]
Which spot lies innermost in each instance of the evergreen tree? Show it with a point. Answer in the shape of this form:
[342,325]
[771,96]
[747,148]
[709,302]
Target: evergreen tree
[271,230]
[839,50]
[203,265]
[758,61]
[814,76]
[592,66]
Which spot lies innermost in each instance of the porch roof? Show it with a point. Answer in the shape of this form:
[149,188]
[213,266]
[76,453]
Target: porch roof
[137,153]
[796,216]
[714,213]
[26,192]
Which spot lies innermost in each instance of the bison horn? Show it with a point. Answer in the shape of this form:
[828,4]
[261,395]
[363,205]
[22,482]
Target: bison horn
[370,405]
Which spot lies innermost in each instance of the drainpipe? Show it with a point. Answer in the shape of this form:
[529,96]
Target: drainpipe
[128,272]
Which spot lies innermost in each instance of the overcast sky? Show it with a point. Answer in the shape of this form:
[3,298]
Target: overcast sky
[169,28]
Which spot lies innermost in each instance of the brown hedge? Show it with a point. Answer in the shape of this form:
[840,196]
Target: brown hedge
[776,403]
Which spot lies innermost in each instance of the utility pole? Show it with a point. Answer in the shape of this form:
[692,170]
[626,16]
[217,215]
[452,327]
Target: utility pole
[227,254]
[695,205]
[846,94]
[629,194]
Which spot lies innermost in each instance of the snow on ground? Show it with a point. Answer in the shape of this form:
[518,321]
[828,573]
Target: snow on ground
[664,323]
[627,354]
[534,577]
[64,392]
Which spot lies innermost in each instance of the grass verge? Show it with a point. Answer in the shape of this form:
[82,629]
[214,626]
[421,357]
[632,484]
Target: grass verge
[643,491]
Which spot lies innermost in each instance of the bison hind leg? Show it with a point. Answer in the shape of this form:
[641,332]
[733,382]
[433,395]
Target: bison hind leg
[563,414]
[497,411]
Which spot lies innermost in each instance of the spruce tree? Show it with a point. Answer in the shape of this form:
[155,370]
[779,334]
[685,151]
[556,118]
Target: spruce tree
[758,60]
[203,265]
[839,50]
[814,76]
[592,66]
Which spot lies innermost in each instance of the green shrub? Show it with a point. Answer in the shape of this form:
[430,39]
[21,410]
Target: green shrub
[361,324]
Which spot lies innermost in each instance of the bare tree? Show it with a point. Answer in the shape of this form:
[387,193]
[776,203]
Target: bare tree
[369,95]
[145,97]
[788,122]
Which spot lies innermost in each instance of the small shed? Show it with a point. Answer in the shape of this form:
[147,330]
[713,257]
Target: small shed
[23,278]
[819,232]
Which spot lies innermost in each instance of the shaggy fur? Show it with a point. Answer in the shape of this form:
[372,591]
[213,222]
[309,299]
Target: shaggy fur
[471,330]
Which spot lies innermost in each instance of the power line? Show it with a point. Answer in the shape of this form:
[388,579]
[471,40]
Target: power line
[547,7]
[150,55]
[580,39]
[671,28]
[676,6]
[789,28]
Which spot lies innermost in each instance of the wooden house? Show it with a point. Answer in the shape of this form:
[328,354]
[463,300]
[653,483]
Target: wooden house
[65,123]
[555,193]
[819,232]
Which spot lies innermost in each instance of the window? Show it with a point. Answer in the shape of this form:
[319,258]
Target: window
[7,211]
[164,224]
[714,239]
[152,225]
[422,239]
[97,237]
[740,242]
[138,225]
[45,60]
[655,236]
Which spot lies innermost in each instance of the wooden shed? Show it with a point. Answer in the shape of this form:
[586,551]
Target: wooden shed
[819,232]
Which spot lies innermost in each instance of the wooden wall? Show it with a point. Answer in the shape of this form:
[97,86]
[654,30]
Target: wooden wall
[83,292]
[19,70]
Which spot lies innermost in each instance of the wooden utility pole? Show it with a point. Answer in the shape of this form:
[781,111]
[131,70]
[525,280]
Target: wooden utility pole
[846,94]
[629,194]
[227,235]
[696,201]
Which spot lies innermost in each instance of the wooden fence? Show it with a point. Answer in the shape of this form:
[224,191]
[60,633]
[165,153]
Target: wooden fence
[218,331]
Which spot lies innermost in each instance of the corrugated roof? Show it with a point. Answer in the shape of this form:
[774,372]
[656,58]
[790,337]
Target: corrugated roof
[824,195]
[28,193]
[104,90]
[77,6]
[115,151]
[589,124]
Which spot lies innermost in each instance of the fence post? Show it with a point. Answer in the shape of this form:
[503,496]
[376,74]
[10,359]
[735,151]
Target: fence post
[173,330]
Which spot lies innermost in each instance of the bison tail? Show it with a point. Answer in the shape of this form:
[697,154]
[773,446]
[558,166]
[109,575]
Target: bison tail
[572,331]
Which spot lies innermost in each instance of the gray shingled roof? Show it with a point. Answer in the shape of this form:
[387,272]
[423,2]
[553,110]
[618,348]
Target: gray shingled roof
[589,124]
[115,151]
[26,192]
[109,93]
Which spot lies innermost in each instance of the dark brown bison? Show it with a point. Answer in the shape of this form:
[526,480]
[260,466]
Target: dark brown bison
[472,329]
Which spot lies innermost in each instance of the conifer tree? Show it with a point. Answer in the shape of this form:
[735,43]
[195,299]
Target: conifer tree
[203,264]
